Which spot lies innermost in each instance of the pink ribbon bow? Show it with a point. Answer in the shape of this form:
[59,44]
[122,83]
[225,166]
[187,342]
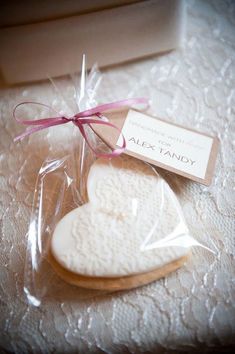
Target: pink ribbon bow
[79,120]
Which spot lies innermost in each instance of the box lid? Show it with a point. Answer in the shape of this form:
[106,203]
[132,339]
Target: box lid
[15,12]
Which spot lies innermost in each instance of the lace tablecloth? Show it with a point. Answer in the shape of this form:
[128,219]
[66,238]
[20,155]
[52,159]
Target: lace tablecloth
[192,308]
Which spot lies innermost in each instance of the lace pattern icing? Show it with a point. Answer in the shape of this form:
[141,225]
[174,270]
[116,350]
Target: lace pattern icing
[117,233]
[194,307]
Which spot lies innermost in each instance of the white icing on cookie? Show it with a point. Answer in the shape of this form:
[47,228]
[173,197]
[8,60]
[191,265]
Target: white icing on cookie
[130,209]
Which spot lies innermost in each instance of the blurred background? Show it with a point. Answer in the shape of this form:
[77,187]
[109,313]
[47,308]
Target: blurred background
[49,37]
[179,54]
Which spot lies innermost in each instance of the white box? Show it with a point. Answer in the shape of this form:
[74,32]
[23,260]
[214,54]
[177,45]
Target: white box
[54,48]
[22,12]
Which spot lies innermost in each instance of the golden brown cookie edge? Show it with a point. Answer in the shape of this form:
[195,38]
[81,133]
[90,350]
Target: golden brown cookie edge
[115,283]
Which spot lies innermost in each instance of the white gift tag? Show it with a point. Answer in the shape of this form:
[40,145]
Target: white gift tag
[169,146]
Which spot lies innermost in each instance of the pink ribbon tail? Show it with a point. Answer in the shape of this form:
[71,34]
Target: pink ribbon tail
[79,119]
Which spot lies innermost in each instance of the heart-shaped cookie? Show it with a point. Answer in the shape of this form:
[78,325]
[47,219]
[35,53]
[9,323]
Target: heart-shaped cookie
[118,239]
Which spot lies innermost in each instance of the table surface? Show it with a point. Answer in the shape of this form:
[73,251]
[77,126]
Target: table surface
[192,308]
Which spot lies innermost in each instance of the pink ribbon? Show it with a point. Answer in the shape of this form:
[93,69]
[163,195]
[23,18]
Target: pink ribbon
[79,120]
